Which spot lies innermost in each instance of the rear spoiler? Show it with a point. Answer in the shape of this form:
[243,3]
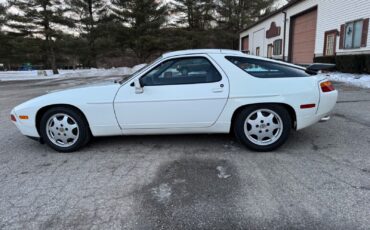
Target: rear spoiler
[316,67]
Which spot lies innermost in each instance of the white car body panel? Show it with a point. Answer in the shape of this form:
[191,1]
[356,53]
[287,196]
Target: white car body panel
[95,102]
[197,105]
[115,109]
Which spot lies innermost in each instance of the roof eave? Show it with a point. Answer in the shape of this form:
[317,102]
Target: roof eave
[280,10]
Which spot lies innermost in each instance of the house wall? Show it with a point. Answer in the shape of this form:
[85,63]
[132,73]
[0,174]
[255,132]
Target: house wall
[331,15]
[254,35]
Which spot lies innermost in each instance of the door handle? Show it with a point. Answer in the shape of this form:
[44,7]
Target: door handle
[217,90]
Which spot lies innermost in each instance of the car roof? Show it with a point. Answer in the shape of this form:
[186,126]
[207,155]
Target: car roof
[201,51]
[226,52]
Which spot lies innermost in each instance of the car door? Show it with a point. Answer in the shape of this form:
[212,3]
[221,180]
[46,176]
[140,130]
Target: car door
[181,92]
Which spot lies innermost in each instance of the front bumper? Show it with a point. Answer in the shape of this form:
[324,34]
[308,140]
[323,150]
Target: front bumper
[26,127]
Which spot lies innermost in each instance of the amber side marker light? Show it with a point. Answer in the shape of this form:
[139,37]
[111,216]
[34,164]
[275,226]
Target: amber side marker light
[12,117]
[23,117]
[327,86]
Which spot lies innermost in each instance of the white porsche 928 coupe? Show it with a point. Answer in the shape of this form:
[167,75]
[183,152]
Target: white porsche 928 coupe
[192,91]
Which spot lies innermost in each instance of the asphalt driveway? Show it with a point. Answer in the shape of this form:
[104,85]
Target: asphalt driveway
[320,179]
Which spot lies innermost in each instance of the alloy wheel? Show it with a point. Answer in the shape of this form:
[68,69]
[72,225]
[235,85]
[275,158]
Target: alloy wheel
[263,127]
[62,130]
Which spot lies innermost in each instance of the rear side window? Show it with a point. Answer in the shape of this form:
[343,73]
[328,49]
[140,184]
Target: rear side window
[266,69]
[178,71]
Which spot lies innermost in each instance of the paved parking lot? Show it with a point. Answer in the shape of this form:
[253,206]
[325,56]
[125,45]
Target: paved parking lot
[320,179]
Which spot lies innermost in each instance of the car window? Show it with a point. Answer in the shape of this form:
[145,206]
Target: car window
[182,71]
[266,69]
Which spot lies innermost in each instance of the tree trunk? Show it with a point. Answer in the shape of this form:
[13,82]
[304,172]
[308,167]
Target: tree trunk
[52,56]
[91,38]
[92,52]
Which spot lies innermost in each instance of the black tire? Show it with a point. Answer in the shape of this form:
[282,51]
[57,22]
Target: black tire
[83,129]
[240,122]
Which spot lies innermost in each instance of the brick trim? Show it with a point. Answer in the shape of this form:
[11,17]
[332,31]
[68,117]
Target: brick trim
[274,31]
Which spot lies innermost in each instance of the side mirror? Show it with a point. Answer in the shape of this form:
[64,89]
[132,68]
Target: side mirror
[138,88]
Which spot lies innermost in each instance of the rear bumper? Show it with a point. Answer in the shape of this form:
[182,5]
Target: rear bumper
[325,107]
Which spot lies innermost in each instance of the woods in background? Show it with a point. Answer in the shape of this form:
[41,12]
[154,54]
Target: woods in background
[106,33]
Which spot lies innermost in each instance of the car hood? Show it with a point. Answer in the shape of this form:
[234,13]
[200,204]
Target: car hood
[82,86]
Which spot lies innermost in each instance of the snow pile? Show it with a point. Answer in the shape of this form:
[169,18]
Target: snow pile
[359,80]
[39,75]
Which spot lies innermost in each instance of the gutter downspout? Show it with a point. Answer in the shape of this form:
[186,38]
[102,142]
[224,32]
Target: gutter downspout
[284,41]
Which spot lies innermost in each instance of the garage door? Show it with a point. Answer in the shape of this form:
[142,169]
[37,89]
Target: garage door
[303,40]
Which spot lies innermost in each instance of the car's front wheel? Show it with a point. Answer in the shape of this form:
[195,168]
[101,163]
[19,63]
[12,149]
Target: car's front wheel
[263,127]
[64,129]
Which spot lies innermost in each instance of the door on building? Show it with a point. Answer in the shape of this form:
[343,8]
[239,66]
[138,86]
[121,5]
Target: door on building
[303,34]
[259,43]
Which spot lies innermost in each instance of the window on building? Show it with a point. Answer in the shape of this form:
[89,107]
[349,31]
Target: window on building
[278,47]
[330,42]
[245,44]
[353,34]
[258,51]
[269,50]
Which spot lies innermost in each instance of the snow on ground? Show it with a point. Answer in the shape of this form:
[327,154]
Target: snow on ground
[34,74]
[359,80]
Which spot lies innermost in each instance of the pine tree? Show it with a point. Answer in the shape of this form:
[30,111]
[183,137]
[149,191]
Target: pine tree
[196,14]
[2,15]
[144,19]
[234,15]
[237,14]
[40,18]
[4,39]
[89,15]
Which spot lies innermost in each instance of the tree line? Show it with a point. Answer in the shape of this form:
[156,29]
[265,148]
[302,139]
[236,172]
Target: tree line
[104,33]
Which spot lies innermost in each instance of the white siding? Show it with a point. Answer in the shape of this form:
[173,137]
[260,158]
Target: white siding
[255,41]
[331,14]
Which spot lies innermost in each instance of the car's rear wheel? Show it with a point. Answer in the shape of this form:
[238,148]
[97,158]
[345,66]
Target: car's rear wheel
[263,127]
[64,129]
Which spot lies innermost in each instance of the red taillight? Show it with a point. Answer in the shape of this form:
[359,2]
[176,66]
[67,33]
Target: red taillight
[12,117]
[308,106]
[327,86]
